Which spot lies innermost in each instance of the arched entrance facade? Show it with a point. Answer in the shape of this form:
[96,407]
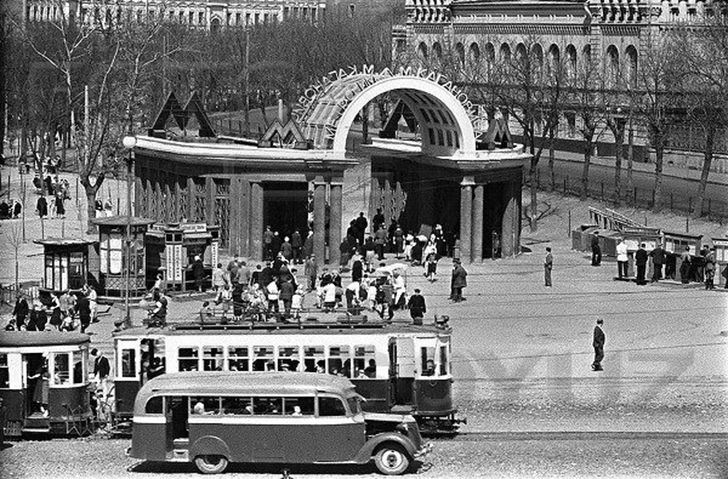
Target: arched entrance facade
[419,177]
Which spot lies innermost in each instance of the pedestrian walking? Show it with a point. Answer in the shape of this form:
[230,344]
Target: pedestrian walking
[458,282]
[296,245]
[41,207]
[598,343]
[622,259]
[198,272]
[311,271]
[417,306]
[218,278]
[596,259]
[548,265]
[640,259]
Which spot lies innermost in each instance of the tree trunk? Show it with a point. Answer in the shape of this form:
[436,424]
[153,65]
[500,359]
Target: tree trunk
[588,149]
[630,160]
[659,158]
[90,207]
[533,174]
[618,141]
[707,162]
[552,158]
[365,124]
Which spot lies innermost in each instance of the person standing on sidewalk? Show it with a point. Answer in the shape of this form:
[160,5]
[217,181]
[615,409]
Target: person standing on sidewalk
[458,282]
[658,259]
[710,269]
[640,259]
[548,265]
[622,259]
[596,259]
[598,343]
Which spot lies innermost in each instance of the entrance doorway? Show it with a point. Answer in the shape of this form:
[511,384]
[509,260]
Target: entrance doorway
[285,207]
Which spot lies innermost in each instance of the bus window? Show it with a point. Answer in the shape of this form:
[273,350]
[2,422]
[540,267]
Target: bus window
[79,369]
[61,369]
[263,358]
[237,406]
[205,405]
[212,358]
[354,404]
[428,361]
[238,359]
[329,406]
[288,359]
[313,359]
[4,371]
[154,405]
[268,405]
[188,358]
[443,361]
[299,406]
[365,366]
[128,363]
[339,361]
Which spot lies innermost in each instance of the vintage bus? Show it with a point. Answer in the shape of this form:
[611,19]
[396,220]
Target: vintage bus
[44,382]
[400,368]
[214,418]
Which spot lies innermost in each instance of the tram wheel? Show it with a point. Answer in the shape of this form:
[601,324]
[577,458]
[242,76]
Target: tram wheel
[211,464]
[391,460]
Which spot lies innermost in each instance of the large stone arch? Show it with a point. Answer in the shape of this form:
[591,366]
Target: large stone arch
[442,111]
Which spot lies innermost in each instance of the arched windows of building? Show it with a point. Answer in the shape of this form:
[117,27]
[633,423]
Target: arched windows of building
[537,57]
[611,68]
[586,57]
[422,52]
[474,55]
[460,53]
[553,64]
[437,51]
[215,24]
[631,66]
[571,63]
[489,55]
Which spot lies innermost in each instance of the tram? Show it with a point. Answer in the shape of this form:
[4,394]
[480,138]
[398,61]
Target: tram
[44,383]
[397,368]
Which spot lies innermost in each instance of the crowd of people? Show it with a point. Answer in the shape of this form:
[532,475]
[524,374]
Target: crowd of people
[67,311]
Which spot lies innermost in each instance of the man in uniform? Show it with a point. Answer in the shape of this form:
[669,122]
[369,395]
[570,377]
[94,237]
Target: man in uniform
[417,306]
[598,343]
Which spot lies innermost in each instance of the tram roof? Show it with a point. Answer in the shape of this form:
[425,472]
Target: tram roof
[373,328]
[41,338]
[242,383]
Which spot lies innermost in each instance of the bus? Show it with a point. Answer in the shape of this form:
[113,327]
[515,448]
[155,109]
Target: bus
[396,367]
[214,418]
[44,383]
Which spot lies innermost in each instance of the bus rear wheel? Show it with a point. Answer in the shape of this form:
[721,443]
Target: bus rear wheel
[211,464]
[391,460]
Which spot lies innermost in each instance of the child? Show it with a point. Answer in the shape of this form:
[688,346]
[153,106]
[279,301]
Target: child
[297,302]
[206,312]
[431,265]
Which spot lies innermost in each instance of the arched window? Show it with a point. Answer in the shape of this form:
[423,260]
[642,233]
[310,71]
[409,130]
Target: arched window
[460,52]
[474,55]
[612,66]
[437,50]
[215,24]
[631,65]
[553,65]
[422,51]
[571,62]
[537,56]
[400,47]
[505,53]
[586,57]
[489,59]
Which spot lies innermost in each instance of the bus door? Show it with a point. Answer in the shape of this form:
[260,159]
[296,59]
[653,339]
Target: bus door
[401,369]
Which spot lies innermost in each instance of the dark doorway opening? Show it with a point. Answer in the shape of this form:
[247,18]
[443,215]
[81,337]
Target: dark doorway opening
[285,207]
[494,207]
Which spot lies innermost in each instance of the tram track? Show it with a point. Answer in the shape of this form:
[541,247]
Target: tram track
[582,436]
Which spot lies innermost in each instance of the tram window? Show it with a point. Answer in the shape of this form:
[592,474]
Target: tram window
[314,359]
[339,361]
[263,358]
[188,358]
[205,405]
[154,405]
[128,363]
[331,407]
[288,359]
[4,371]
[428,361]
[212,359]
[268,405]
[299,406]
[78,367]
[237,406]
[443,360]
[238,359]
[61,372]
[365,366]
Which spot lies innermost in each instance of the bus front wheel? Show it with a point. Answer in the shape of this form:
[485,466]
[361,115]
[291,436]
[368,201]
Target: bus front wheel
[211,464]
[391,460]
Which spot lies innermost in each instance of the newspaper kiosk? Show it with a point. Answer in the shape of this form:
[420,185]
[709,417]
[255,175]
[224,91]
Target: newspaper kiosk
[633,237]
[675,244]
[721,260]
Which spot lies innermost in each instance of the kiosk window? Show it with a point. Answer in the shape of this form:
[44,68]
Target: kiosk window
[61,369]
[154,405]
[237,406]
[299,406]
[128,363]
[365,366]
[188,358]
[263,358]
[331,407]
[339,361]
[238,359]
[212,358]
[314,359]
[288,359]
[4,371]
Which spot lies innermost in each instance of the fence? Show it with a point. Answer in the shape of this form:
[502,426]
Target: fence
[713,209]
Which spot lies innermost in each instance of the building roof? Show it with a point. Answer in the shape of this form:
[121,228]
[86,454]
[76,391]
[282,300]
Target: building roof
[41,338]
[122,220]
[64,242]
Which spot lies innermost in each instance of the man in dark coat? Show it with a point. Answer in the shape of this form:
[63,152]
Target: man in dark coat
[458,282]
[20,311]
[378,220]
[285,294]
[198,272]
[308,245]
[311,272]
[296,244]
[83,305]
[266,275]
[598,343]
[596,251]
[380,241]
[640,259]
[361,227]
[42,207]
[417,306]
[658,259]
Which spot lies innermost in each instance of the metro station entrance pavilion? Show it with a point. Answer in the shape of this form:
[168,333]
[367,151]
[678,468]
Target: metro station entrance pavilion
[293,177]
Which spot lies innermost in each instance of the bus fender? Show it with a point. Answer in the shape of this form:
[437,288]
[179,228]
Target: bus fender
[367,451]
[210,446]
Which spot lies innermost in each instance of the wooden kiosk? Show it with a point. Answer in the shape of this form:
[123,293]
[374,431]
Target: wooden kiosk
[65,263]
[721,260]
[675,244]
[633,237]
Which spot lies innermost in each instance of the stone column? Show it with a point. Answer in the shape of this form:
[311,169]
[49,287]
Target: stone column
[509,222]
[244,214]
[335,224]
[477,225]
[255,235]
[319,220]
[466,217]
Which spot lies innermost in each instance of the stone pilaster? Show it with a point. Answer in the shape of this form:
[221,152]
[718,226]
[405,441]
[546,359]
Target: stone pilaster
[335,224]
[466,217]
[477,224]
[255,238]
[319,220]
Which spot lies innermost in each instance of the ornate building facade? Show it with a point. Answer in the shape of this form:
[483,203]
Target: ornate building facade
[607,33]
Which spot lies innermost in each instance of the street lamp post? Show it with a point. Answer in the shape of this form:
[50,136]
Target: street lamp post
[129,143]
